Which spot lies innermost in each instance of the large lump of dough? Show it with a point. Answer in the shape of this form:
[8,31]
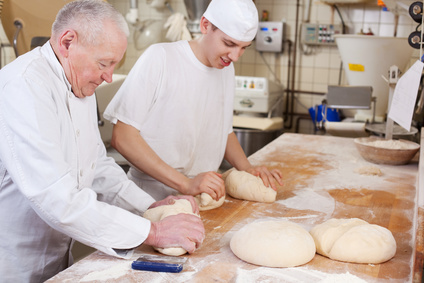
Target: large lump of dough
[273,243]
[242,185]
[354,240]
[206,202]
[158,213]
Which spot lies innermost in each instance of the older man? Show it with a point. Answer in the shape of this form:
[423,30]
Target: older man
[56,183]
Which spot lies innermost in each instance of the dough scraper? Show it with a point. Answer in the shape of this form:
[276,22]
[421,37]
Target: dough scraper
[148,262]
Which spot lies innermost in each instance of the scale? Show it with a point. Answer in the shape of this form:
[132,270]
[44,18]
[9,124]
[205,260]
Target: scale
[389,129]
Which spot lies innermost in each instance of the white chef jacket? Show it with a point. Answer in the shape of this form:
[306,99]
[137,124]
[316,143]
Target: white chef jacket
[182,108]
[56,182]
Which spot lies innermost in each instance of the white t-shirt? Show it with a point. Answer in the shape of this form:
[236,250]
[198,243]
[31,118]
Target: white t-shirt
[182,108]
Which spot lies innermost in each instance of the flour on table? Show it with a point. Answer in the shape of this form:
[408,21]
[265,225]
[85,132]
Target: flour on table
[114,272]
[293,275]
[308,199]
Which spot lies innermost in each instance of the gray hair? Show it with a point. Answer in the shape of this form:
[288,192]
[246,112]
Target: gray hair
[87,18]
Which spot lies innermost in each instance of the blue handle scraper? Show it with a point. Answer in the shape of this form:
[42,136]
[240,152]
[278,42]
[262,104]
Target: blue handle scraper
[157,263]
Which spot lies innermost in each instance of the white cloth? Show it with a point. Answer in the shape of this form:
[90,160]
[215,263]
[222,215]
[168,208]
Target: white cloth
[182,108]
[236,18]
[177,28]
[56,182]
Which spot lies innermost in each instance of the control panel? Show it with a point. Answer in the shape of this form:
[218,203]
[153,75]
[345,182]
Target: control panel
[270,37]
[320,34]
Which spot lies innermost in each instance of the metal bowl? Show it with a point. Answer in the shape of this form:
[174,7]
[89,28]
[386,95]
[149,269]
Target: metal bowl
[383,155]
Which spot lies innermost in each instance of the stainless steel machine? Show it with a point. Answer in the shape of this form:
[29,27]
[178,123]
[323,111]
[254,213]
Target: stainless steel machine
[195,10]
[258,111]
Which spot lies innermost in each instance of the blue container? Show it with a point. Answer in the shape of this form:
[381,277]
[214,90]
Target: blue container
[332,114]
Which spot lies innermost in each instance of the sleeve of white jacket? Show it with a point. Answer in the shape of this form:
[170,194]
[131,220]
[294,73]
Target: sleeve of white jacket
[36,148]
[113,186]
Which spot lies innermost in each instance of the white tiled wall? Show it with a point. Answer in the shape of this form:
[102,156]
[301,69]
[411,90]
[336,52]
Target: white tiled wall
[6,51]
[313,72]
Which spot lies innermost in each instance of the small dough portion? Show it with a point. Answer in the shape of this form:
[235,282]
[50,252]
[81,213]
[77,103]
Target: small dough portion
[369,170]
[243,185]
[206,202]
[273,243]
[158,213]
[354,240]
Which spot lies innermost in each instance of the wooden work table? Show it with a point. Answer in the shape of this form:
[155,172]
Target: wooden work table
[320,182]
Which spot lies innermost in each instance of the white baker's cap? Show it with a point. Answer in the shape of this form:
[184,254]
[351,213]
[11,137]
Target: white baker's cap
[236,18]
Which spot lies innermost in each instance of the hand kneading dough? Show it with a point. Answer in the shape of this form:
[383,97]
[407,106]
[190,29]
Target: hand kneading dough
[206,202]
[158,213]
[242,185]
[273,243]
[354,240]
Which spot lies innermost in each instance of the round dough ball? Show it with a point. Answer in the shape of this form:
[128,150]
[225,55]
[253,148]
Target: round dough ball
[158,213]
[354,240]
[273,243]
[243,185]
[206,202]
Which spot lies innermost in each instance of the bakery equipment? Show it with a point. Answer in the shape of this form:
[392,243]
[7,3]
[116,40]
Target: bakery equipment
[366,59]
[346,98]
[195,10]
[256,103]
[257,116]
[390,129]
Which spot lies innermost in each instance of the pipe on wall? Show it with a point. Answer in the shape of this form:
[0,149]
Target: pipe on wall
[132,15]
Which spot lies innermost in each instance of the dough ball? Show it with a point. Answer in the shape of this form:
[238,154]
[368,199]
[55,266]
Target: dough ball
[369,170]
[354,240]
[242,185]
[158,213]
[272,243]
[206,202]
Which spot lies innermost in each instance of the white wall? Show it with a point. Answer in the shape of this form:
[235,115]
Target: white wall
[314,72]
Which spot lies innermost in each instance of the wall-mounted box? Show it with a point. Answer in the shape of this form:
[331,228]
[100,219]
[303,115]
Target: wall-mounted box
[270,37]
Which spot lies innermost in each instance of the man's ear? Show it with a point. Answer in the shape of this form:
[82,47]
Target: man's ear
[65,40]
[205,24]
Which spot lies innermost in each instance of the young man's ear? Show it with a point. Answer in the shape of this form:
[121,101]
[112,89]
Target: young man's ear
[205,25]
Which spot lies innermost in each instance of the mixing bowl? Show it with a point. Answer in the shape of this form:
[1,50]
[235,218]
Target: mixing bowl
[391,152]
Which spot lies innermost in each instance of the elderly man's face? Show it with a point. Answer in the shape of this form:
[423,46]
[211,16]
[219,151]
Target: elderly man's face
[88,66]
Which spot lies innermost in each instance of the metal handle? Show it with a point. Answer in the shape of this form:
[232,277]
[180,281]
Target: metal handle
[247,103]
[18,24]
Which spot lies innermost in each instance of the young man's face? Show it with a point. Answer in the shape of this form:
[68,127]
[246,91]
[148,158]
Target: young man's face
[222,49]
[88,66]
